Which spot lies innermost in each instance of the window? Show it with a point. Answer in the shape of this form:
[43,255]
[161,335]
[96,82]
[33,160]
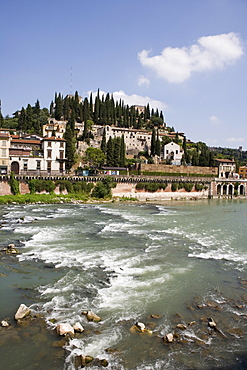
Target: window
[38,165]
[49,166]
[25,165]
[4,143]
[49,153]
[61,167]
[61,154]
[61,144]
[49,143]
[3,152]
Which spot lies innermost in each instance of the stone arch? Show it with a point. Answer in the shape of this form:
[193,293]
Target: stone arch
[224,189]
[15,168]
[218,189]
[230,189]
[241,190]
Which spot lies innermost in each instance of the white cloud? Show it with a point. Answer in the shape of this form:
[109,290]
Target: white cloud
[214,120]
[236,139]
[132,99]
[142,80]
[209,53]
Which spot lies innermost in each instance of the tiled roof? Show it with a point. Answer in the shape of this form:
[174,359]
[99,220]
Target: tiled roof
[53,138]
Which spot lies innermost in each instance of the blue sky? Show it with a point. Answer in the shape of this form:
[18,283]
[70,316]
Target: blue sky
[186,57]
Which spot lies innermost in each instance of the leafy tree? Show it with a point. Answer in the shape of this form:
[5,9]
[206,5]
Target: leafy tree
[14,184]
[95,157]
[103,188]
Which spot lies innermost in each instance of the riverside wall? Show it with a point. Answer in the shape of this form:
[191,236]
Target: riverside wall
[126,186]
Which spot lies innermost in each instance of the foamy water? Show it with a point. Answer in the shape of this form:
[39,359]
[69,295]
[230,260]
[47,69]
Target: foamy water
[125,262]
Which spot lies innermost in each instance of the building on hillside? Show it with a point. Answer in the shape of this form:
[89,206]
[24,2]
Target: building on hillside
[226,168]
[242,171]
[4,152]
[173,153]
[36,156]
[135,140]
[54,128]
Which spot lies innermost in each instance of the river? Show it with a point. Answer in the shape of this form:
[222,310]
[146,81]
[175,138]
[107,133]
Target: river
[182,261]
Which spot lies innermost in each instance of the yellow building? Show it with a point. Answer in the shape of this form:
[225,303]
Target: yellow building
[243,172]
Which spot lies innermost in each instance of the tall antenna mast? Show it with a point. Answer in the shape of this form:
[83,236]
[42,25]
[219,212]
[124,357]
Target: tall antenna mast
[71,80]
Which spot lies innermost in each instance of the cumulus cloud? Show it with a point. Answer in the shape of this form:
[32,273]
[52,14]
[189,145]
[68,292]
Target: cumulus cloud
[236,139]
[175,65]
[142,80]
[133,99]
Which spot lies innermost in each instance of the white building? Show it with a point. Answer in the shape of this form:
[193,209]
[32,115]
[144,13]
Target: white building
[173,153]
[37,156]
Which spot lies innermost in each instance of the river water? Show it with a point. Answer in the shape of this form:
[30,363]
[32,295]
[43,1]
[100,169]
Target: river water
[184,262]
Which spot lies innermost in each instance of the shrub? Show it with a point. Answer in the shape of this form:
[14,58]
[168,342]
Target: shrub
[174,186]
[188,186]
[14,184]
[198,187]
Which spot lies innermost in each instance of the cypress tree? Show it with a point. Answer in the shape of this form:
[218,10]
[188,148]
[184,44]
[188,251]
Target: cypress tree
[103,142]
[58,108]
[153,142]
[70,148]
[29,117]
[185,150]
[122,152]
[1,116]
[22,121]
[109,152]
[116,151]
[157,144]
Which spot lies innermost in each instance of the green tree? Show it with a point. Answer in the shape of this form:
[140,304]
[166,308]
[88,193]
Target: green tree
[122,152]
[1,116]
[95,157]
[70,150]
[153,142]
[110,152]
[103,142]
[157,144]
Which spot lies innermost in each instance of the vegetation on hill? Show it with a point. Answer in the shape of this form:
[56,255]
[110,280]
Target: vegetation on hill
[104,110]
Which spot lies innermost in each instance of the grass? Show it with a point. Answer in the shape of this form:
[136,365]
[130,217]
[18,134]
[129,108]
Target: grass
[42,198]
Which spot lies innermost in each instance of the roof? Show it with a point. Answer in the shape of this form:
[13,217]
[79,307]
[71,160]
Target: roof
[53,138]
[25,141]
[5,136]
[225,160]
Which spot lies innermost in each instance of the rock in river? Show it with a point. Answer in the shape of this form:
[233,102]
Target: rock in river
[22,312]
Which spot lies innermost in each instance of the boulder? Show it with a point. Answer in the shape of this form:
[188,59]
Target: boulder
[22,312]
[11,249]
[140,326]
[78,327]
[169,338]
[64,328]
[91,316]
[211,323]
[155,316]
[181,326]
[4,323]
